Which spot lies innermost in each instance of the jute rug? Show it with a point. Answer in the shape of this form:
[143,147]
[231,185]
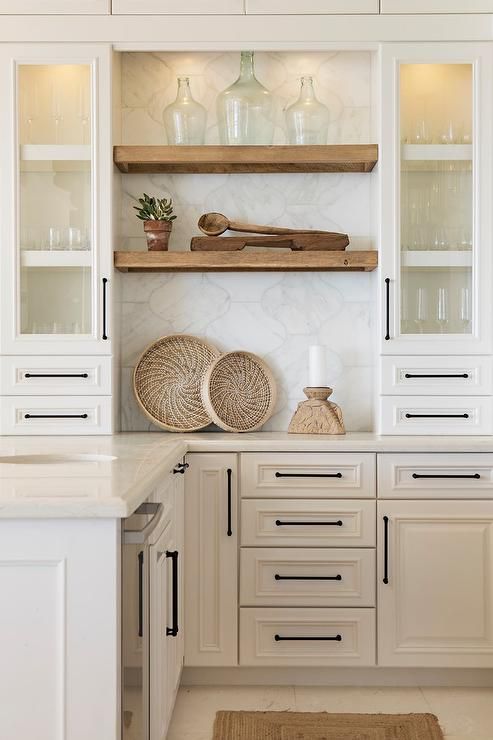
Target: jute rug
[323,726]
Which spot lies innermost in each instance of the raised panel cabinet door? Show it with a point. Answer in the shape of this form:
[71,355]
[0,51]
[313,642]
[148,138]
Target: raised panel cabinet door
[319,7]
[435,592]
[436,205]
[171,7]
[211,560]
[436,6]
[55,7]
[160,649]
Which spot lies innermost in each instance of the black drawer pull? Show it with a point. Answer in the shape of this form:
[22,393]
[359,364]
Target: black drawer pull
[173,631]
[141,593]
[416,375]
[307,578]
[230,504]
[387,309]
[386,550]
[105,286]
[279,523]
[437,416]
[280,638]
[308,475]
[475,476]
[56,416]
[56,375]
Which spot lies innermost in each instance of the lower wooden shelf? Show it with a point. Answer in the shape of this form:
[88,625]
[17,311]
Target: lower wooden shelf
[356,261]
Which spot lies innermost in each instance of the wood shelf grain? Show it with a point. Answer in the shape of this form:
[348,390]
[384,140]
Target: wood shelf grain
[357,261]
[221,159]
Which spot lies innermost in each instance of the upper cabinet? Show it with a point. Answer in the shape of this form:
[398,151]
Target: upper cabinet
[55,7]
[436,6]
[437,185]
[56,196]
[280,7]
[171,7]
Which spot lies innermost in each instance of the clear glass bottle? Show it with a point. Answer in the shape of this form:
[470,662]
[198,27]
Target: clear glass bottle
[308,118]
[184,120]
[245,110]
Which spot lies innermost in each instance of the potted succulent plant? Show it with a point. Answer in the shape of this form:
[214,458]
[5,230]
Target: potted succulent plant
[157,215]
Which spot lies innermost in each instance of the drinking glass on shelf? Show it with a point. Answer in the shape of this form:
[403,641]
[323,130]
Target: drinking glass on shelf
[421,309]
[442,308]
[73,237]
[420,135]
[449,134]
[54,238]
[465,310]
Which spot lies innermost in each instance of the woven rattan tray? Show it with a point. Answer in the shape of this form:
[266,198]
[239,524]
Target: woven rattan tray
[239,392]
[168,380]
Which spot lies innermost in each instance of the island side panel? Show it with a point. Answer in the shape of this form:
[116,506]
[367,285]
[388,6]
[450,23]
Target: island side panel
[59,629]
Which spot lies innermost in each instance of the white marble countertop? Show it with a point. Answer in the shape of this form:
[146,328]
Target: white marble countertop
[110,476]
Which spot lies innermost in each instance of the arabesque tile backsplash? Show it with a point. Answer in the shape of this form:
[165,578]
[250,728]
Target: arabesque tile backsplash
[276,315]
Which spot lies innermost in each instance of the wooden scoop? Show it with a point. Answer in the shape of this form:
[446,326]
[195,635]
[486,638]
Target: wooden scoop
[215,224]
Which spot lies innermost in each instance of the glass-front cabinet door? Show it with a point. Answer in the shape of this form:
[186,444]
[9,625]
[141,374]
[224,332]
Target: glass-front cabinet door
[436,199]
[55,242]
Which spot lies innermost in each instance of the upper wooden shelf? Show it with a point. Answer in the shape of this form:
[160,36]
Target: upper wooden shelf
[221,159]
[275,261]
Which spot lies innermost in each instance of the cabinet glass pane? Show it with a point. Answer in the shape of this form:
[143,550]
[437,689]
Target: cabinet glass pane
[437,225]
[55,235]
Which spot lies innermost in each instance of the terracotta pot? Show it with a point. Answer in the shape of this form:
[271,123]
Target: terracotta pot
[157,233]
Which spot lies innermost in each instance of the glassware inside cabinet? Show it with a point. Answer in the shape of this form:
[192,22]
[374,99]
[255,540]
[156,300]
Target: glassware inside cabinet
[437,228]
[55,204]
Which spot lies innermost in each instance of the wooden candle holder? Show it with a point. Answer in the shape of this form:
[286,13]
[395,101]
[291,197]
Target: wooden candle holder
[317,415]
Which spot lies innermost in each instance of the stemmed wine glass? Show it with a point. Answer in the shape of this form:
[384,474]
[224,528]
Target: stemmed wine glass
[56,110]
[421,309]
[442,309]
[465,310]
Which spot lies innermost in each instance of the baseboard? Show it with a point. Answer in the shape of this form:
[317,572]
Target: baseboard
[337,677]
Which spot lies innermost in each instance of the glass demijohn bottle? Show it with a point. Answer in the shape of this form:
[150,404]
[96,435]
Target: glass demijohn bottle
[245,109]
[184,120]
[308,118]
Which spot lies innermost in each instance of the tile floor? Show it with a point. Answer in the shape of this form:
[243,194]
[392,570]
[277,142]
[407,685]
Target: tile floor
[464,714]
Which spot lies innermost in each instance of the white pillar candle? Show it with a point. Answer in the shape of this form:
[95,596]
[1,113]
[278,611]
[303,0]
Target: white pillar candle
[317,367]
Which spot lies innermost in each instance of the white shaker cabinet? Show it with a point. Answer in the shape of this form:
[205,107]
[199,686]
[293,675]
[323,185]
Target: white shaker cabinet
[319,7]
[435,593]
[55,7]
[211,560]
[436,6]
[171,7]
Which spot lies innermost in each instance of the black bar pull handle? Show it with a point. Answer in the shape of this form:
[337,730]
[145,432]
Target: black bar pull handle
[230,502]
[180,468]
[141,593]
[335,638]
[56,375]
[387,309]
[173,630]
[308,475]
[436,375]
[437,416]
[338,523]
[105,307]
[277,577]
[386,550]
[473,476]
[56,416]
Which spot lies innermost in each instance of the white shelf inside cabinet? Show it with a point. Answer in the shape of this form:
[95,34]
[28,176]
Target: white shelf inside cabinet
[58,258]
[436,152]
[437,259]
[55,152]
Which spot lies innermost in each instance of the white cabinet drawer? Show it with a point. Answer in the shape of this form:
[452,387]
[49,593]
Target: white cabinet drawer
[169,7]
[436,376]
[311,475]
[56,415]
[55,376]
[320,7]
[307,577]
[438,415]
[437,6]
[410,476]
[307,637]
[307,523]
[55,7]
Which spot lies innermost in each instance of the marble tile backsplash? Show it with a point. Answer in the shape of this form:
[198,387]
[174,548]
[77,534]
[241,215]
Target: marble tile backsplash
[276,315]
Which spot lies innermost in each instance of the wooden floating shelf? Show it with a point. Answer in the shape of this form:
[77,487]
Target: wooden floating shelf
[246,261]
[230,159]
